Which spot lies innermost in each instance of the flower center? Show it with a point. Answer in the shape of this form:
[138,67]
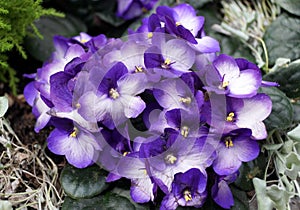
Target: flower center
[170,159]
[184,131]
[186,100]
[150,35]
[126,153]
[113,93]
[228,142]
[225,84]
[187,195]
[74,133]
[139,69]
[230,117]
[178,23]
[166,64]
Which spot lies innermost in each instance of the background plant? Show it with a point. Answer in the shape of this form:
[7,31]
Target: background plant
[15,18]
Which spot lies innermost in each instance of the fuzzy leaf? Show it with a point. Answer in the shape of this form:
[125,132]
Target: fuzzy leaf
[292,162]
[281,116]
[295,133]
[282,38]
[288,77]
[291,6]
[5,205]
[83,183]
[263,201]
[3,105]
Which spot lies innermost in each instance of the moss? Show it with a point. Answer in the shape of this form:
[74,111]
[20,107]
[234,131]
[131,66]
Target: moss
[16,17]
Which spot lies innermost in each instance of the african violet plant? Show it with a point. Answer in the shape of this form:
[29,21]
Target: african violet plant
[161,108]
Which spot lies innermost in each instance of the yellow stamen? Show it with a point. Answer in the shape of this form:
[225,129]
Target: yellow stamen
[77,105]
[83,41]
[125,153]
[184,131]
[170,159]
[113,93]
[150,35]
[187,195]
[228,142]
[178,23]
[230,117]
[138,69]
[74,133]
[186,100]
[225,84]
[167,61]
[144,171]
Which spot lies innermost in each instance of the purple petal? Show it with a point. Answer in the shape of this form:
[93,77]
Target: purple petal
[132,84]
[254,111]
[153,57]
[93,108]
[187,17]
[227,67]
[61,95]
[206,45]
[141,190]
[133,106]
[246,84]
[222,195]
[269,84]
[226,162]
[30,93]
[180,54]
[169,202]
[58,142]
[246,149]
[123,6]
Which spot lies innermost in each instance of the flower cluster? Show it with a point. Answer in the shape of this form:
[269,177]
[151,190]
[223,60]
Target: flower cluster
[162,108]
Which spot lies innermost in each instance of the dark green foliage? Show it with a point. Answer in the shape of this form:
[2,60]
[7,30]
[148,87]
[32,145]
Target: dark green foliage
[282,113]
[15,18]
[288,77]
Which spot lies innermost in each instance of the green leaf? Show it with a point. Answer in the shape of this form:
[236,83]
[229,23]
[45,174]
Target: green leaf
[116,202]
[83,183]
[196,3]
[106,202]
[288,78]
[281,116]
[292,6]
[250,170]
[232,46]
[296,106]
[295,133]
[3,105]
[110,18]
[240,199]
[41,49]
[282,38]
[126,194]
